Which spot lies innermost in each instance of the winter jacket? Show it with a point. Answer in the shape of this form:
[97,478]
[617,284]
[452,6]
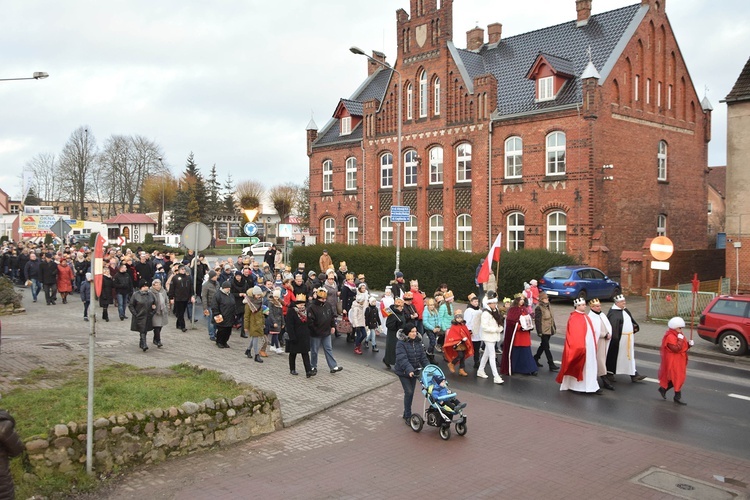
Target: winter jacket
[81,267]
[123,283]
[161,313]
[145,271]
[357,312]
[85,291]
[254,320]
[10,446]
[298,332]
[348,294]
[320,319]
[141,311]
[48,273]
[431,320]
[105,299]
[372,317]
[31,270]
[65,278]
[239,287]
[418,302]
[223,305]
[490,329]
[181,288]
[410,355]
[210,288]
[275,315]
[446,313]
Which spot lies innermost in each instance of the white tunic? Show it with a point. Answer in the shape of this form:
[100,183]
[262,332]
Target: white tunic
[602,328]
[626,354]
[589,382]
[472,318]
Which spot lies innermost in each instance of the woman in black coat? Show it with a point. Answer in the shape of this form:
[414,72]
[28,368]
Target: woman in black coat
[298,332]
[410,360]
[393,323]
[108,287]
[10,446]
[142,307]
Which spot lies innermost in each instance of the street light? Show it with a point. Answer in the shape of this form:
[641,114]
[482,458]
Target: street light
[38,75]
[161,219]
[360,52]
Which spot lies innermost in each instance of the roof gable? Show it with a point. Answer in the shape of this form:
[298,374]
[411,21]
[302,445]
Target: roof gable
[741,89]
[130,219]
[558,65]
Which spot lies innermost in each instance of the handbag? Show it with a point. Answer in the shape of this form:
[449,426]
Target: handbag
[344,326]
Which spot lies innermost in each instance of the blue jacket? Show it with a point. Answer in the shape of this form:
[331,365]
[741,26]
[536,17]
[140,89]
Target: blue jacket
[85,291]
[410,355]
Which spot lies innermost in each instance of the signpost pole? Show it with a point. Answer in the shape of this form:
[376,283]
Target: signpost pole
[96,292]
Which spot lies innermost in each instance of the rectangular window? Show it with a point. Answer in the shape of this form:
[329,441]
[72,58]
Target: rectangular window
[386,171]
[351,173]
[648,90]
[436,104]
[409,103]
[346,125]
[386,232]
[436,165]
[710,208]
[463,163]
[327,175]
[669,97]
[14,209]
[637,84]
[658,95]
[546,88]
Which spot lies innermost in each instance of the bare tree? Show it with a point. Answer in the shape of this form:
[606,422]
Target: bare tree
[113,162]
[144,158]
[45,176]
[76,162]
[249,193]
[283,197]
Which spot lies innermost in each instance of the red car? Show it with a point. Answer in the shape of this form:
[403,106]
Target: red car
[726,322]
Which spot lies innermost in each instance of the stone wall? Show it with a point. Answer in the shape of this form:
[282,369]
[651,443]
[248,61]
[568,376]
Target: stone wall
[156,435]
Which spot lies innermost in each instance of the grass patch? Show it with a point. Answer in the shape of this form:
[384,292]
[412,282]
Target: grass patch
[118,389]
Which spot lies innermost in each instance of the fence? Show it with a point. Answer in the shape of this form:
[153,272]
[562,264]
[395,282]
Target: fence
[721,286]
[665,304]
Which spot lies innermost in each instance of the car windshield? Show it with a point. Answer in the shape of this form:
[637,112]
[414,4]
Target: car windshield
[558,274]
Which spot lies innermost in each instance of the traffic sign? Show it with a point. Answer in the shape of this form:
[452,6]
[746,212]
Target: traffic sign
[122,240]
[661,248]
[251,229]
[196,236]
[98,264]
[400,213]
[241,241]
[254,240]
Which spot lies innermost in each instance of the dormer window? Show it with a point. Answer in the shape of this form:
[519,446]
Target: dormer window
[546,90]
[349,114]
[346,125]
[550,74]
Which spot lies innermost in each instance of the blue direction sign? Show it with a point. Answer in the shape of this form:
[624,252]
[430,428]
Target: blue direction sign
[251,229]
[400,214]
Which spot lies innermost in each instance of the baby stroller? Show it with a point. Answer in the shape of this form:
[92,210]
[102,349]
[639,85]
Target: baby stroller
[436,411]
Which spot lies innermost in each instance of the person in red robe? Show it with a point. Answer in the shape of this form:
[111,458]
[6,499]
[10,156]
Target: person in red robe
[674,358]
[517,356]
[579,365]
[457,345]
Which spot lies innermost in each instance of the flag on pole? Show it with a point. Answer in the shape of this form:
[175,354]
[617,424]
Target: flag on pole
[492,256]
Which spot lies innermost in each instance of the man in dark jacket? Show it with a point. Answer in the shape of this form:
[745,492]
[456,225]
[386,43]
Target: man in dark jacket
[32,273]
[181,294]
[142,306]
[322,324]
[10,446]
[270,258]
[222,314]
[123,283]
[210,289]
[48,277]
[145,269]
[621,353]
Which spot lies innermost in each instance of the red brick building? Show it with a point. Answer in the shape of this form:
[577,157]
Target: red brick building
[586,137]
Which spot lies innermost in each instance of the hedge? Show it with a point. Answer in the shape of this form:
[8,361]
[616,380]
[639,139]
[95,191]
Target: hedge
[433,267]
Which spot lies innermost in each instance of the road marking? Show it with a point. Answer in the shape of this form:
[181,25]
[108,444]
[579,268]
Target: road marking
[739,396]
[649,379]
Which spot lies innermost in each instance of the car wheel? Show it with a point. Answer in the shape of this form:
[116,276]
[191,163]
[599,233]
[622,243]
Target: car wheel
[581,295]
[732,343]
[615,293]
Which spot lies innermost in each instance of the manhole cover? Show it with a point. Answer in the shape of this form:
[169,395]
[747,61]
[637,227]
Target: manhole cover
[682,486]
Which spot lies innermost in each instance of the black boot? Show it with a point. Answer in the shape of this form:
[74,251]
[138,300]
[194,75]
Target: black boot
[678,398]
[606,384]
[536,358]
[663,392]
[243,334]
[257,358]
[143,344]
[552,366]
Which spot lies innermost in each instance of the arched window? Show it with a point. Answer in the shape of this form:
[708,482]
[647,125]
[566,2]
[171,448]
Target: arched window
[463,233]
[386,232]
[463,162]
[409,102]
[513,158]
[328,175]
[329,230]
[436,97]
[436,165]
[352,231]
[556,153]
[386,170]
[351,173]
[661,225]
[661,159]
[410,168]
[410,232]
[436,232]
[557,232]
[424,94]
[516,230]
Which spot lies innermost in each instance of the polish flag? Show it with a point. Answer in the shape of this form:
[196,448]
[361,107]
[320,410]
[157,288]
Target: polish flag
[492,256]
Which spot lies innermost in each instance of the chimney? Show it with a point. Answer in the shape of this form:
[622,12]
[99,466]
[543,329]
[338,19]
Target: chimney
[583,8]
[474,38]
[373,67]
[494,31]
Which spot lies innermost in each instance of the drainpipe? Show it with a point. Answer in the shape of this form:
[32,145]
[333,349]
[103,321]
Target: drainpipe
[489,185]
[364,191]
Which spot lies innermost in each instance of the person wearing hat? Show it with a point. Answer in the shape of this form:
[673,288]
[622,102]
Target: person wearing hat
[621,354]
[603,334]
[298,336]
[210,288]
[312,282]
[241,282]
[394,322]
[341,273]
[48,277]
[161,311]
[446,313]
[181,294]
[516,356]
[458,345]
[324,261]
[255,320]
[674,359]
[472,318]
[579,367]
[492,327]
[85,291]
[544,321]
[398,286]
[410,360]
[222,314]
[322,323]
[142,306]
[270,258]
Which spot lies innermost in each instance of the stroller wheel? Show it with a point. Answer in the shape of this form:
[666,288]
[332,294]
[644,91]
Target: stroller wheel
[461,428]
[416,423]
[445,432]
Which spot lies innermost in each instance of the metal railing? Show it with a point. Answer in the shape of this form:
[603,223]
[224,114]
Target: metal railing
[664,304]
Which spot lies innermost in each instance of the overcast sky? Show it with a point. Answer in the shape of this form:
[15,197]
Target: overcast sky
[236,81]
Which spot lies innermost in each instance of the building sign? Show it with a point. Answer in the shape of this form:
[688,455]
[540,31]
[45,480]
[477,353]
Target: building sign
[227,218]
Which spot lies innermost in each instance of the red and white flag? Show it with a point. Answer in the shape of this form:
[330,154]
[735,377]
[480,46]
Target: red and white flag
[492,256]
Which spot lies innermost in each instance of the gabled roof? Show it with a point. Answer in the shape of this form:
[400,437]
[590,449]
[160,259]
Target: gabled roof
[717,179]
[130,219]
[509,61]
[559,65]
[353,107]
[741,89]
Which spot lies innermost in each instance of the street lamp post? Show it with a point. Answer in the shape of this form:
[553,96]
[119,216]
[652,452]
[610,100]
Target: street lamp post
[360,52]
[38,75]
[161,219]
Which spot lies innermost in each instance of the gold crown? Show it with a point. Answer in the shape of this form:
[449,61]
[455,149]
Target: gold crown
[594,302]
[301,298]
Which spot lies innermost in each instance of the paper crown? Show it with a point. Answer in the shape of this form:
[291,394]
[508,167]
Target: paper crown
[300,298]
[594,302]
[580,301]
[472,296]
[619,298]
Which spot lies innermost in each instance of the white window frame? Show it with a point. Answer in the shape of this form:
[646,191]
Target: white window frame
[546,88]
[436,165]
[352,231]
[351,173]
[556,166]
[463,162]
[409,102]
[386,231]
[661,161]
[513,157]
[410,168]
[386,170]
[437,236]
[424,95]
[329,230]
[410,232]
[516,230]
[436,97]
[463,233]
[557,233]
[346,125]
[661,225]
[327,176]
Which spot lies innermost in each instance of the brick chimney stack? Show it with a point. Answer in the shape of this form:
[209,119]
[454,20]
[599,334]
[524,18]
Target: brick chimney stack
[373,67]
[474,38]
[583,8]
[495,32]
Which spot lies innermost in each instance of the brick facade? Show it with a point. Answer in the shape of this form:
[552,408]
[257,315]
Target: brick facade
[605,126]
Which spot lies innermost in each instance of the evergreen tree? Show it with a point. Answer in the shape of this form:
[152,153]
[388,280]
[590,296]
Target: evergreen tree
[229,201]
[191,199]
[214,192]
[31,198]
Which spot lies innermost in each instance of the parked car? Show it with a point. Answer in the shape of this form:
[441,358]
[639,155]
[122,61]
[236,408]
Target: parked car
[726,322]
[572,282]
[258,249]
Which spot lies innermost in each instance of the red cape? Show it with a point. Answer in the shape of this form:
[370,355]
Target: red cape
[574,351]
[673,367]
[454,336]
